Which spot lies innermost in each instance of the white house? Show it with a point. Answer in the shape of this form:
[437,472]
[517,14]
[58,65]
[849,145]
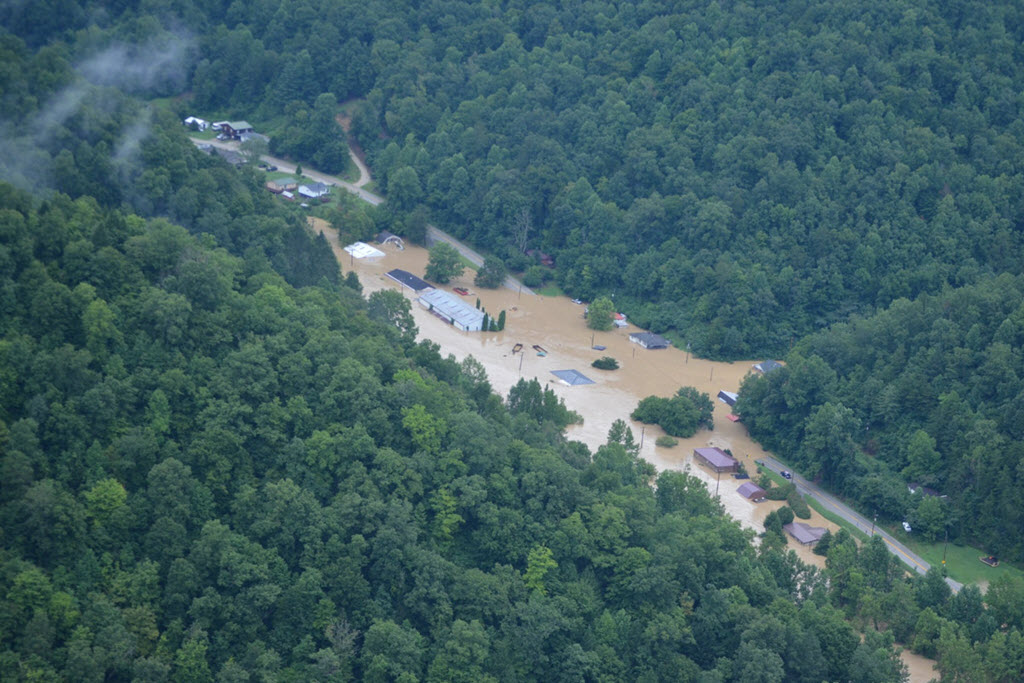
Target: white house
[197,122]
[314,190]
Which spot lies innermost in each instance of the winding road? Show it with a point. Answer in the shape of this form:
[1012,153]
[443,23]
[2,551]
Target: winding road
[807,488]
[357,188]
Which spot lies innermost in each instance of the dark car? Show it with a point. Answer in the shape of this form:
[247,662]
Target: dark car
[786,474]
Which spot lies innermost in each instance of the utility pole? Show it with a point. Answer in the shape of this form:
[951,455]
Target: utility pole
[945,543]
[718,483]
[642,430]
[873,520]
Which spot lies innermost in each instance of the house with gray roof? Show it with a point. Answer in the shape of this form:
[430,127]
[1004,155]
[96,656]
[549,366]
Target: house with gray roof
[751,492]
[805,534]
[649,340]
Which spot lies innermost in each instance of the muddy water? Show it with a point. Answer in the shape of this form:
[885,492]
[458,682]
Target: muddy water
[921,668]
[557,325]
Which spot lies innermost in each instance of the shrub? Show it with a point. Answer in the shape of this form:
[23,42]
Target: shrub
[779,492]
[799,505]
[666,441]
[606,363]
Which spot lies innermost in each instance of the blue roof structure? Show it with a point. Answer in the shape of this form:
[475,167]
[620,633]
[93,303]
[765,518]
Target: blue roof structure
[572,377]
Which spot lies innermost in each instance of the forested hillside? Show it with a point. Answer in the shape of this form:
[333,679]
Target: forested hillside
[219,462]
[210,474]
[739,174]
[928,391]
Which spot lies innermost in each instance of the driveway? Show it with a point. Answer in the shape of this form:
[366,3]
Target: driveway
[830,503]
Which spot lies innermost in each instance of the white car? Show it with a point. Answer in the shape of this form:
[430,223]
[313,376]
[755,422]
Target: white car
[906,527]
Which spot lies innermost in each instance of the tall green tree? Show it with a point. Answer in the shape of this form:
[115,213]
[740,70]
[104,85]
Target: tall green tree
[444,263]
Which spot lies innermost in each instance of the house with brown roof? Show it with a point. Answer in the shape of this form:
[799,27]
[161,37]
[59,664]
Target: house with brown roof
[715,458]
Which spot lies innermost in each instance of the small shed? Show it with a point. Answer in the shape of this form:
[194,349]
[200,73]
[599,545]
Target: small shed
[766,366]
[751,491]
[452,310]
[388,237]
[716,459]
[728,397]
[805,534]
[649,340]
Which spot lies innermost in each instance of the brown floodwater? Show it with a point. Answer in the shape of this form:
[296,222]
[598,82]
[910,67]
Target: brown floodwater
[557,325]
[921,669]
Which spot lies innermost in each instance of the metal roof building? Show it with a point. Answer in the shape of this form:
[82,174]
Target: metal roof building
[572,377]
[452,310]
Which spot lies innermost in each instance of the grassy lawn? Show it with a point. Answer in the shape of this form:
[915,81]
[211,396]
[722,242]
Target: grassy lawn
[962,561]
[550,289]
[469,264]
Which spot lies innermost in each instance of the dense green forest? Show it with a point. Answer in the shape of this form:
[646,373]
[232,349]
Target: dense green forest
[211,474]
[928,391]
[220,462]
[738,174]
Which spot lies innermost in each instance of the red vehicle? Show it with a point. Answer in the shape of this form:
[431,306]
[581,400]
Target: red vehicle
[461,290]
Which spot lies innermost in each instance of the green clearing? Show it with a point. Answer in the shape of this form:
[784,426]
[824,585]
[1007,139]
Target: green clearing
[962,561]
[550,290]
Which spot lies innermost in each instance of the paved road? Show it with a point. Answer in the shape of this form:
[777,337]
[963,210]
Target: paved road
[433,233]
[911,559]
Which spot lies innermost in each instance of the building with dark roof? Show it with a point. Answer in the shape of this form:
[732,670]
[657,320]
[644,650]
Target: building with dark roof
[406,278]
[728,397]
[649,340]
[234,129]
[716,459]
